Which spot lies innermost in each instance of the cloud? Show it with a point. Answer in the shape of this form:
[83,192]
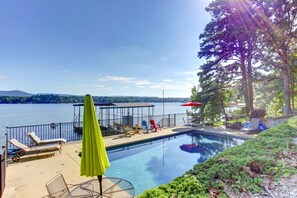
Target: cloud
[169,84]
[99,86]
[166,84]
[167,80]
[2,77]
[115,78]
[188,73]
[127,80]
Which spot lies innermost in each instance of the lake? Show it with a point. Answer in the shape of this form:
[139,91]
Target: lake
[34,114]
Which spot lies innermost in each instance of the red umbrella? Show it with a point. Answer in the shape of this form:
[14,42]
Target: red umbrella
[192,104]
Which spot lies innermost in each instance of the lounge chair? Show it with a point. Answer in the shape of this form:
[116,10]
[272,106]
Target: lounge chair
[137,129]
[144,126]
[118,128]
[253,126]
[154,127]
[37,141]
[35,149]
[57,187]
[129,131]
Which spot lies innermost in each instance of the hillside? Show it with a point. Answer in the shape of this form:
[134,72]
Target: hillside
[14,93]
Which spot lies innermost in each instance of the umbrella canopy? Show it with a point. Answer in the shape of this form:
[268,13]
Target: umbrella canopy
[192,104]
[94,159]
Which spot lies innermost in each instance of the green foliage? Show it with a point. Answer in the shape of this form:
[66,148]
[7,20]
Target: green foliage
[260,153]
[275,107]
[214,94]
[239,114]
[218,123]
[186,187]
[270,93]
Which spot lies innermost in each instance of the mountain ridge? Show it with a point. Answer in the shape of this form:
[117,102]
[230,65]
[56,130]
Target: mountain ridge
[14,93]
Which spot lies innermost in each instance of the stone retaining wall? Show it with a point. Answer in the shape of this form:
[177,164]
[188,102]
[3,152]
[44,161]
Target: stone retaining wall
[270,122]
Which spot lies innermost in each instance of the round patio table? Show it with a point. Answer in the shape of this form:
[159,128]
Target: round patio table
[112,187]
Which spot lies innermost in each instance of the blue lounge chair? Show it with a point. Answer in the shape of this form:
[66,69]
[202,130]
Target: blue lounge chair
[252,126]
[144,126]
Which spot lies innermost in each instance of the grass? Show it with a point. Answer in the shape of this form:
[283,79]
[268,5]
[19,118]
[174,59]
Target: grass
[243,168]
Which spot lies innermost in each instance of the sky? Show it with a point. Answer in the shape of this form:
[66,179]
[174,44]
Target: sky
[101,47]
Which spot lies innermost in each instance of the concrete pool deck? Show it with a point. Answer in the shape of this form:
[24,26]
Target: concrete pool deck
[27,178]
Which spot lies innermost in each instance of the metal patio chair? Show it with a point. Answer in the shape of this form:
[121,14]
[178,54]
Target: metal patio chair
[57,188]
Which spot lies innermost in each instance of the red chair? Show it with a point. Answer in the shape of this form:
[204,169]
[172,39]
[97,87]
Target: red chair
[154,126]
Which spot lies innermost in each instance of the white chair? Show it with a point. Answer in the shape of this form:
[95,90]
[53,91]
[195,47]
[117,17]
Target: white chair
[37,141]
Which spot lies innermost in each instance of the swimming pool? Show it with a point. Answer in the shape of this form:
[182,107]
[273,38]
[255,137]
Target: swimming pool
[149,164]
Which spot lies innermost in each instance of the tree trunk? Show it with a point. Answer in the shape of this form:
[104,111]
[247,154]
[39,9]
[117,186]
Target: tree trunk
[223,108]
[250,78]
[293,91]
[288,109]
[244,76]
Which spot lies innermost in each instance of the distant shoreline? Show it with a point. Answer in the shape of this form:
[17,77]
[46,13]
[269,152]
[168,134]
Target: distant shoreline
[57,99]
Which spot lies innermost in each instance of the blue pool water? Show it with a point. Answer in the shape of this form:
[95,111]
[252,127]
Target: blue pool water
[149,164]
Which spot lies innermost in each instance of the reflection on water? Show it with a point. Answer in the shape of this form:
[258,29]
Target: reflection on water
[153,163]
[209,146]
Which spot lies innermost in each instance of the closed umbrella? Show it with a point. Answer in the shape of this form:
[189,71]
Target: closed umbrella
[94,159]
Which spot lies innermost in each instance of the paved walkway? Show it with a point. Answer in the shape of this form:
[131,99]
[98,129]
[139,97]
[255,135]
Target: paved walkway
[27,178]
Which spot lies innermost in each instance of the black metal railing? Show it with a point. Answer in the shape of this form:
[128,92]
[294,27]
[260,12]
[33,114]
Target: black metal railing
[73,131]
[44,131]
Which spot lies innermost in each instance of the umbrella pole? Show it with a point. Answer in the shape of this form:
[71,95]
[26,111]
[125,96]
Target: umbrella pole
[100,183]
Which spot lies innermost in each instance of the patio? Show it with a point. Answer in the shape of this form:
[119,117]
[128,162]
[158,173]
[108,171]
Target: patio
[28,177]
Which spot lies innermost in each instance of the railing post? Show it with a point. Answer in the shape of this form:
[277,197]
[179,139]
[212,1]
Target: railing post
[169,120]
[60,127]
[174,119]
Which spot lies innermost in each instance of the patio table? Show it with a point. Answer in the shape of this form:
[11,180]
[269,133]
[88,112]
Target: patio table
[112,187]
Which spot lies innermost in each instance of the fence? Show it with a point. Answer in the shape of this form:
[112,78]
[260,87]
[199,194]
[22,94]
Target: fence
[73,131]
[3,166]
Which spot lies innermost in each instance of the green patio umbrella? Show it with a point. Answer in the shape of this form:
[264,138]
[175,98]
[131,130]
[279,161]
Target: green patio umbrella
[94,159]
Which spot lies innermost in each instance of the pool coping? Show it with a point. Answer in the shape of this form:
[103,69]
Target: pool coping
[179,131]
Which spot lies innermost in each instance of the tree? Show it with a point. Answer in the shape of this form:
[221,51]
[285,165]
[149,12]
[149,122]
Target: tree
[230,40]
[214,94]
[277,22]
